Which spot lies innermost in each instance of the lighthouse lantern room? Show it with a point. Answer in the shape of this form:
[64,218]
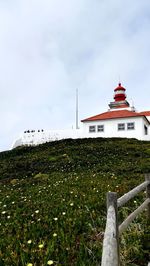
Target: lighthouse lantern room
[120,98]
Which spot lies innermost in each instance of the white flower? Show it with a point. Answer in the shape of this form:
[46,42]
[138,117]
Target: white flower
[13,202]
[55,219]
[54,234]
[71,204]
[41,246]
[63,213]
[29,241]
[37,211]
[4,206]
[50,262]
[3,212]
[8,217]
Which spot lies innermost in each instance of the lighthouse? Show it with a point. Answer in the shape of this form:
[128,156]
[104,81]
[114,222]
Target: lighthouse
[119,98]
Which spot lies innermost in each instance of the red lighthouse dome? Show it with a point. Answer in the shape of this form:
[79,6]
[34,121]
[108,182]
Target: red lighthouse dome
[119,98]
[119,93]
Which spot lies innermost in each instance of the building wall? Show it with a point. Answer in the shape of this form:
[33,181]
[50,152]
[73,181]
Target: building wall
[111,128]
[148,117]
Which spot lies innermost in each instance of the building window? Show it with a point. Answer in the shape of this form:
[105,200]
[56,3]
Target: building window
[92,129]
[130,126]
[121,126]
[145,130]
[100,128]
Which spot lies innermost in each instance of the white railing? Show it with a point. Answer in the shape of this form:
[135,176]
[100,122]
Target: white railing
[110,255]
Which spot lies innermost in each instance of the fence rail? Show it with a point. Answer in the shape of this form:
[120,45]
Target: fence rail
[110,255]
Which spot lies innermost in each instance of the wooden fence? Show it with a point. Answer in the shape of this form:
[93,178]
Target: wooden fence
[110,255]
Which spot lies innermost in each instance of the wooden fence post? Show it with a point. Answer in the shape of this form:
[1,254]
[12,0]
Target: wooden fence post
[147,178]
[110,255]
[112,200]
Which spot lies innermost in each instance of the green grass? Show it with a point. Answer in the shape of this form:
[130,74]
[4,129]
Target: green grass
[52,201]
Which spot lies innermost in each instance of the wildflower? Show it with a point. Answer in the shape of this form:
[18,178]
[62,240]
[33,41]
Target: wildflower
[55,219]
[71,204]
[8,217]
[13,202]
[63,213]
[3,212]
[54,235]
[41,246]
[4,206]
[37,211]
[29,264]
[29,241]
[50,262]
[134,201]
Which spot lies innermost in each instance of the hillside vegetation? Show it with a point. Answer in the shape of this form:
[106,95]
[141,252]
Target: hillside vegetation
[52,201]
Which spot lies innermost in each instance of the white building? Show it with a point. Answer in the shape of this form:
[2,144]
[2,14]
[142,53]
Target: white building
[121,120]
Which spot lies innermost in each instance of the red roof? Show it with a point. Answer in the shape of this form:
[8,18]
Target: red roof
[146,113]
[120,88]
[113,115]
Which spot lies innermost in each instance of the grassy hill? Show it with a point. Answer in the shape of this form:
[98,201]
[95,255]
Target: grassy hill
[52,201]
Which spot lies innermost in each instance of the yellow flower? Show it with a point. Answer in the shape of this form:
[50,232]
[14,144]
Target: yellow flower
[50,262]
[41,246]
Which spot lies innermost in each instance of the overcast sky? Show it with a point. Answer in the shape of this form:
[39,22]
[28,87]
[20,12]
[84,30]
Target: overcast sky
[48,48]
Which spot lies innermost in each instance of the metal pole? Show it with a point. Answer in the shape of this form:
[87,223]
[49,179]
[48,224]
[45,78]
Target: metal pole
[77,127]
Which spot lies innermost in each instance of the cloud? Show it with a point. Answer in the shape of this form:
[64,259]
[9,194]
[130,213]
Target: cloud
[49,48]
